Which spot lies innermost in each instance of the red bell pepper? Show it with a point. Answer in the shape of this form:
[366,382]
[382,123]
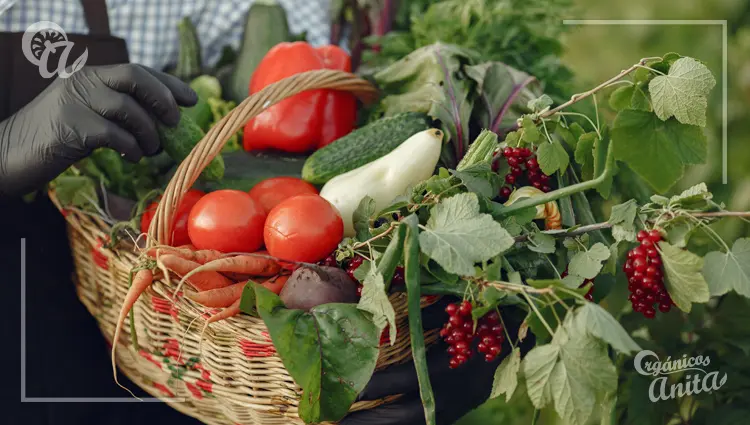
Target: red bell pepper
[308,120]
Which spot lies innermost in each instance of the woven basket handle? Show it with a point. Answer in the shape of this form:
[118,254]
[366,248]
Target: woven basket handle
[212,143]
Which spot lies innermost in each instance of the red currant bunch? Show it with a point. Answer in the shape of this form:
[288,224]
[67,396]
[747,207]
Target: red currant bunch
[522,164]
[329,261]
[590,294]
[645,277]
[459,333]
[491,336]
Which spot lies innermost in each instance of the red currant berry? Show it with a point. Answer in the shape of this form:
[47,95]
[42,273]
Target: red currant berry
[456,321]
[453,363]
[497,329]
[482,348]
[505,191]
[513,161]
[546,189]
[544,178]
[664,307]
[461,358]
[525,152]
[444,332]
[652,271]
[451,309]
[650,299]
[517,152]
[639,293]
[468,327]
[640,265]
[461,346]
[492,318]
[652,253]
[330,261]
[465,308]
[642,235]
[532,164]
[649,312]
[631,254]
[654,235]
[510,179]
[489,358]
[533,175]
[640,252]
[452,350]
[450,340]
[517,172]
[537,184]
[457,335]
[359,290]
[488,341]
[647,244]
[628,267]
[632,297]
[655,261]
[495,350]
[508,152]
[483,328]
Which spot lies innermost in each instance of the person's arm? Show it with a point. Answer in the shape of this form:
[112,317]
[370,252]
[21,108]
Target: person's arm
[108,106]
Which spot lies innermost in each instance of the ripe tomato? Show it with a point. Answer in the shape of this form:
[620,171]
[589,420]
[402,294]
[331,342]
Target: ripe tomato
[276,283]
[271,191]
[227,221]
[179,228]
[303,228]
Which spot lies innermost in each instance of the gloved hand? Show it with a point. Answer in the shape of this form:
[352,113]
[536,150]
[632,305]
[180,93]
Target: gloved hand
[457,391]
[105,106]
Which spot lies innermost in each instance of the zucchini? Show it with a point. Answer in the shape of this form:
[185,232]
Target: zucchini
[246,169]
[206,87]
[179,141]
[265,27]
[189,63]
[362,146]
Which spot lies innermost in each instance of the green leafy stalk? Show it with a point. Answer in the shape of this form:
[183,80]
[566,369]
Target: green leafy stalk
[392,256]
[412,272]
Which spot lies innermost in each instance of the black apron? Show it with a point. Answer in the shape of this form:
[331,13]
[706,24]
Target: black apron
[65,355]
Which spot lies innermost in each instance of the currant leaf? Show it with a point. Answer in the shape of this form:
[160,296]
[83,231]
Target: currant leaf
[597,322]
[375,301]
[552,157]
[729,271]
[683,92]
[622,219]
[588,264]
[684,280]
[506,376]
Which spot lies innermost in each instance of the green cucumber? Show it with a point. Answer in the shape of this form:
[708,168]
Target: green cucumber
[266,26]
[179,141]
[189,64]
[362,146]
[481,150]
[206,87]
[246,169]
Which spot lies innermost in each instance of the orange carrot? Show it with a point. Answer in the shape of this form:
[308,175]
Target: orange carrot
[203,280]
[238,277]
[276,283]
[246,264]
[228,312]
[202,256]
[141,281]
[220,297]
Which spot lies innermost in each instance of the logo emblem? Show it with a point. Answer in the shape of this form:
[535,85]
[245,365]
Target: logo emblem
[44,38]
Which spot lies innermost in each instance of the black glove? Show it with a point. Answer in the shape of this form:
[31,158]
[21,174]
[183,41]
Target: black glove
[105,106]
[457,391]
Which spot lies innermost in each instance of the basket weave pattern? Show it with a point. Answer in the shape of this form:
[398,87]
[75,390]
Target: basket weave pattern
[231,374]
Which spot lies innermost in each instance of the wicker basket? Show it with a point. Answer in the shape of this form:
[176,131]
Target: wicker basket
[239,379]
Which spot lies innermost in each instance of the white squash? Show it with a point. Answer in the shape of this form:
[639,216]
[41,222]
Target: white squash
[385,178]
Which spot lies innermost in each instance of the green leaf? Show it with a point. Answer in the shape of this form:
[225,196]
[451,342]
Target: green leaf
[541,243]
[76,191]
[552,157]
[684,280]
[694,198]
[573,372]
[247,301]
[375,301]
[457,236]
[588,264]
[639,99]
[597,322]
[584,154]
[657,150]
[540,103]
[729,271]
[330,352]
[480,179]
[683,92]
[537,368]
[489,299]
[621,97]
[361,218]
[622,218]
[531,133]
[577,130]
[506,375]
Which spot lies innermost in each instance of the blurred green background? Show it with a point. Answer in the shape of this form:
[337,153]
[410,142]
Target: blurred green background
[595,53]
